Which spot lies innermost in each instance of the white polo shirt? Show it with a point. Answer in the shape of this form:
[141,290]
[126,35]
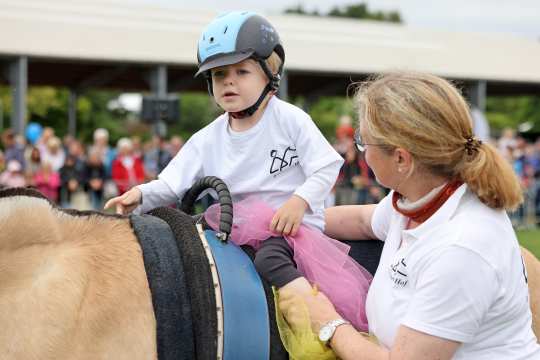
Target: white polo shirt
[459,276]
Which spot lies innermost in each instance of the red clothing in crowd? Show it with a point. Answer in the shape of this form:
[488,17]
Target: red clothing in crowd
[127,171]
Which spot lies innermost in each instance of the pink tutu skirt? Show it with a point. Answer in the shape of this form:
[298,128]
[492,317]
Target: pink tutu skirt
[322,260]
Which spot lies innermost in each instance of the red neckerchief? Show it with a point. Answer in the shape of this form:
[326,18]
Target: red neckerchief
[423,213]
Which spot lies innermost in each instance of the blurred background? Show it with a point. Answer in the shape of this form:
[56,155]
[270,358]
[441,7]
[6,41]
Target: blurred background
[96,97]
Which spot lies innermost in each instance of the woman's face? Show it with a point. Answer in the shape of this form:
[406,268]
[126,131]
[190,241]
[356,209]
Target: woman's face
[378,159]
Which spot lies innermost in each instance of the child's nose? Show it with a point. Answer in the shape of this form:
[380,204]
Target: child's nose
[229,77]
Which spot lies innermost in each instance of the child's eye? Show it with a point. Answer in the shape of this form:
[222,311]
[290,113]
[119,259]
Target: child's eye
[243,72]
[218,73]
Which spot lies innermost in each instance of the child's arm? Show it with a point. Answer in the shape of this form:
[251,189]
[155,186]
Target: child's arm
[288,218]
[177,177]
[172,183]
[311,194]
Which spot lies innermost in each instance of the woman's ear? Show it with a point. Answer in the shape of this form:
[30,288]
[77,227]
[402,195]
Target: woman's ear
[403,160]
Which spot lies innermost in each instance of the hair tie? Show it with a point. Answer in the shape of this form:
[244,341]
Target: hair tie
[472,145]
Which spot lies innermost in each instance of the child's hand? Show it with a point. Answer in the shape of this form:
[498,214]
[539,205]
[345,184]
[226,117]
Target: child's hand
[288,218]
[126,202]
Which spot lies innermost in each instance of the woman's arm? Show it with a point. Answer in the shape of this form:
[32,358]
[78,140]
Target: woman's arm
[348,343]
[350,222]
[410,344]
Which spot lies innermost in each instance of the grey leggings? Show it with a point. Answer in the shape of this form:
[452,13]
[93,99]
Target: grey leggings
[274,262]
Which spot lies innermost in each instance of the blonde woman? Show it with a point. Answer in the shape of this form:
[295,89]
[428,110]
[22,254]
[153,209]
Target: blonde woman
[451,283]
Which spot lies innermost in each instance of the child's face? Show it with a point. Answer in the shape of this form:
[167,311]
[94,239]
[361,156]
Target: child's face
[238,86]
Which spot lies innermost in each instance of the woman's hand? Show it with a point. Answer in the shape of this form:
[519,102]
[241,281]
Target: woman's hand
[288,218]
[126,202]
[319,308]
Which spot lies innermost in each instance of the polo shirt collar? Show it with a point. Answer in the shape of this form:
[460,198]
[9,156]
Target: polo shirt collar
[442,215]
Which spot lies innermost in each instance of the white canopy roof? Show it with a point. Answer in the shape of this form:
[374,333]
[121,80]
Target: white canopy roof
[124,31]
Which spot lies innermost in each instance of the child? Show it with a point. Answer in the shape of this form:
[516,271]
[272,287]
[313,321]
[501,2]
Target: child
[261,146]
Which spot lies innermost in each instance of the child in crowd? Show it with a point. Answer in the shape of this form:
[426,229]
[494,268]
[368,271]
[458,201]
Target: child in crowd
[260,147]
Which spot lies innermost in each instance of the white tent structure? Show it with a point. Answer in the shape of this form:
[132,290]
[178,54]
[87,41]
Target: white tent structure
[129,45]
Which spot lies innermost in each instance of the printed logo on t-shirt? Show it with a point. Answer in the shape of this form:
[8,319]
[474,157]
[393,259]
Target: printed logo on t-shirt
[398,273]
[281,162]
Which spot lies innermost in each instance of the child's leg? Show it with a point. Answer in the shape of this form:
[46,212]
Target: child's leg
[274,262]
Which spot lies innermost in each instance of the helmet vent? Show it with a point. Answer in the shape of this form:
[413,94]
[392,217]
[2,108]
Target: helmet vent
[224,31]
[211,39]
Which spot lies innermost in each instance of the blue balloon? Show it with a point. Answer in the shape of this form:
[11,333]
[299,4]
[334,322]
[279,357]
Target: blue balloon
[33,132]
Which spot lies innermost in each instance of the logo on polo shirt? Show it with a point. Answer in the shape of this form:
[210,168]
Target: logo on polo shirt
[282,162]
[398,273]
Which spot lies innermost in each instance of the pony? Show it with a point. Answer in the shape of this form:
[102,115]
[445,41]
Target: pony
[73,285]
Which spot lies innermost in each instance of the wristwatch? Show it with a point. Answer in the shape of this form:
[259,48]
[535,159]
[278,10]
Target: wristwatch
[327,330]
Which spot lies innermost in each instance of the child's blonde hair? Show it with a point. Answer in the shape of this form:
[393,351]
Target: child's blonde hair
[274,63]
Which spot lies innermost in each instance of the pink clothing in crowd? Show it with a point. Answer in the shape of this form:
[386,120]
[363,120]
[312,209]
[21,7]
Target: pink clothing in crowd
[48,184]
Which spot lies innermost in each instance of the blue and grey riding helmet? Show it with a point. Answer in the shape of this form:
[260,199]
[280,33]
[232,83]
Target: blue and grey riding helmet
[236,36]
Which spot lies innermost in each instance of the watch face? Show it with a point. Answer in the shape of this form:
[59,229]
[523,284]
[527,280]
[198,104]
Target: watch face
[326,333]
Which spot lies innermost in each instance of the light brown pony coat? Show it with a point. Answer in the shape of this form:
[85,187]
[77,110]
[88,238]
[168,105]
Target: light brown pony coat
[71,287]
[74,287]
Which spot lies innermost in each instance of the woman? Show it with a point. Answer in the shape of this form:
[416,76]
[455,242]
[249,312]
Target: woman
[451,283]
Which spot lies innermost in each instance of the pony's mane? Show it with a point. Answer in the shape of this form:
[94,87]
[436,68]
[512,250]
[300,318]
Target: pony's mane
[33,192]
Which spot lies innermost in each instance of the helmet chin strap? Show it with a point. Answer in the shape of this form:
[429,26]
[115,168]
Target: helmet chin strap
[272,85]
[247,112]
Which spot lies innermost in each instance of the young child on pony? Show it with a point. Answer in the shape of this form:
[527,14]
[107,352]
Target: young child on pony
[277,164]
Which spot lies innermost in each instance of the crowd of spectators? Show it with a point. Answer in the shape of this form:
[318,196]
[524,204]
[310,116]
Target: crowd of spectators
[78,176]
[83,177]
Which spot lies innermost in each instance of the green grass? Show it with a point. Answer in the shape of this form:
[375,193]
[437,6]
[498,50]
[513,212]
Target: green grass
[530,239]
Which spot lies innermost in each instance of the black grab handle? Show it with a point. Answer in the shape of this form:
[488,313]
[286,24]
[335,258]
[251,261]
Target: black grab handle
[224,198]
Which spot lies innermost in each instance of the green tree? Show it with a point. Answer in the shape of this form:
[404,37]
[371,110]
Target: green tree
[196,111]
[326,112]
[354,11]
[512,111]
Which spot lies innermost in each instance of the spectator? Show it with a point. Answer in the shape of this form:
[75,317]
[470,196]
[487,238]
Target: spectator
[54,154]
[2,161]
[13,175]
[507,143]
[347,184]
[41,144]
[127,169]
[156,157]
[344,192]
[95,179]
[175,144]
[72,180]
[12,149]
[33,164]
[101,146]
[47,181]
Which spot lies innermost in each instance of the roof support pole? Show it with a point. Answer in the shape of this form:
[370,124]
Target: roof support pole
[283,91]
[72,112]
[477,98]
[158,86]
[477,94]
[18,79]
[158,80]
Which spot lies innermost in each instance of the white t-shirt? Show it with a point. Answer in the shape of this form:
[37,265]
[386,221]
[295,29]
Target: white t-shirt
[283,154]
[459,276]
